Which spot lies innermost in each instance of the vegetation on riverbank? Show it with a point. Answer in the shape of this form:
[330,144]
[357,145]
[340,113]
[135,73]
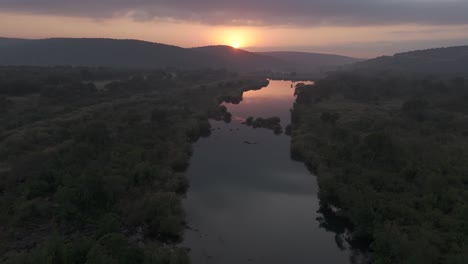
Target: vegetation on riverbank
[92,175]
[390,154]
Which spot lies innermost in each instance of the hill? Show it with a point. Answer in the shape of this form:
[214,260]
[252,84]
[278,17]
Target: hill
[97,52]
[311,61]
[441,61]
[141,54]
[239,58]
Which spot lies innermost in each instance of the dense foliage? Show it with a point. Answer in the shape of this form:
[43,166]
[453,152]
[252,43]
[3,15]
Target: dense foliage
[273,123]
[92,160]
[391,156]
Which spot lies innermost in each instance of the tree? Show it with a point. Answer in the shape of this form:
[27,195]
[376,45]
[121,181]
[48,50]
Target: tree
[415,108]
[330,118]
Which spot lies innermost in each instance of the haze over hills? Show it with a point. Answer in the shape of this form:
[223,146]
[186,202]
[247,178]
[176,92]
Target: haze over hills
[440,61]
[141,54]
[97,52]
[311,60]
[231,56]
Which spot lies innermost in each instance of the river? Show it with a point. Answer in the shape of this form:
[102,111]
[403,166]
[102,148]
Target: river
[250,203]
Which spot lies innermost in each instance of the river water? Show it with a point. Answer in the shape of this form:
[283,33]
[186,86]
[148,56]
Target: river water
[250,203]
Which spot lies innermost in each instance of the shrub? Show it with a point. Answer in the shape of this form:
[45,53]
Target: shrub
[330,118]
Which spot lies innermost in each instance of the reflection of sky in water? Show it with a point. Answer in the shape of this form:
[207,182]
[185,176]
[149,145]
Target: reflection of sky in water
[252,203]
[276,100]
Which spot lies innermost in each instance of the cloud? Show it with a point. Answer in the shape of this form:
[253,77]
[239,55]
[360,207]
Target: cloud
[257,12]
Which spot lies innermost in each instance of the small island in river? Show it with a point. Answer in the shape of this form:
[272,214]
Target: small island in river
[273,123]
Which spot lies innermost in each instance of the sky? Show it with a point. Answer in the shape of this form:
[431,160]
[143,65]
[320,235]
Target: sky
[359,28]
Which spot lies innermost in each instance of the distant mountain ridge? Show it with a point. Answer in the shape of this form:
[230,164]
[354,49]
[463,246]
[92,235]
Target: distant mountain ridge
[96,52]
[311,60]
[440,61]
[142,54]
[228,55]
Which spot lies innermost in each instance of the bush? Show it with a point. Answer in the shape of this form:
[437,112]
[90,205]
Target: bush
[221,113]
[160,116]
[330,118]
[114,248]
[415,109]
[273,123]
[161,215]
[5,104]
[249,121]
[82,197]
[168,256]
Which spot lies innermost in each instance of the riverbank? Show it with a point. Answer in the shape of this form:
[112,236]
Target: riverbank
[390,157]
[97,175]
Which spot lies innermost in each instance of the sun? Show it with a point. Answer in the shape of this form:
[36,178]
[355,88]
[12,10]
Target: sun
[237,38]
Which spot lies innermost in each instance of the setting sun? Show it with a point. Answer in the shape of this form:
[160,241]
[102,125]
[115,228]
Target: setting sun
[217,131]
[236,37]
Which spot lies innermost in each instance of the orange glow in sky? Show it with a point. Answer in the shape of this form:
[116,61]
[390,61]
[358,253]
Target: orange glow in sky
[235,37]
[345,40]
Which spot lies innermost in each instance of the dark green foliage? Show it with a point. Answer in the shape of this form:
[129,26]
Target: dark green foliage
[55,249]
[198,128]
[249,121]
[160,116]
[5,103]
[108,223]
[415,109]
[114,248]
[94,134]
[83,196]
[221,113]
[18,87]
[273,123]
[64,92]
[168,256]
[394,165]
[161,215]
[330,118]
[288,130]
[111,248]
[100,167]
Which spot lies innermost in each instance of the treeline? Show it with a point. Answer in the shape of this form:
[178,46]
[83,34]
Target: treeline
[390,154]
[95,175]
[448,62]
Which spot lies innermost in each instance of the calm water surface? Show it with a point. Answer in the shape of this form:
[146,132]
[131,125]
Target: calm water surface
[252,203]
